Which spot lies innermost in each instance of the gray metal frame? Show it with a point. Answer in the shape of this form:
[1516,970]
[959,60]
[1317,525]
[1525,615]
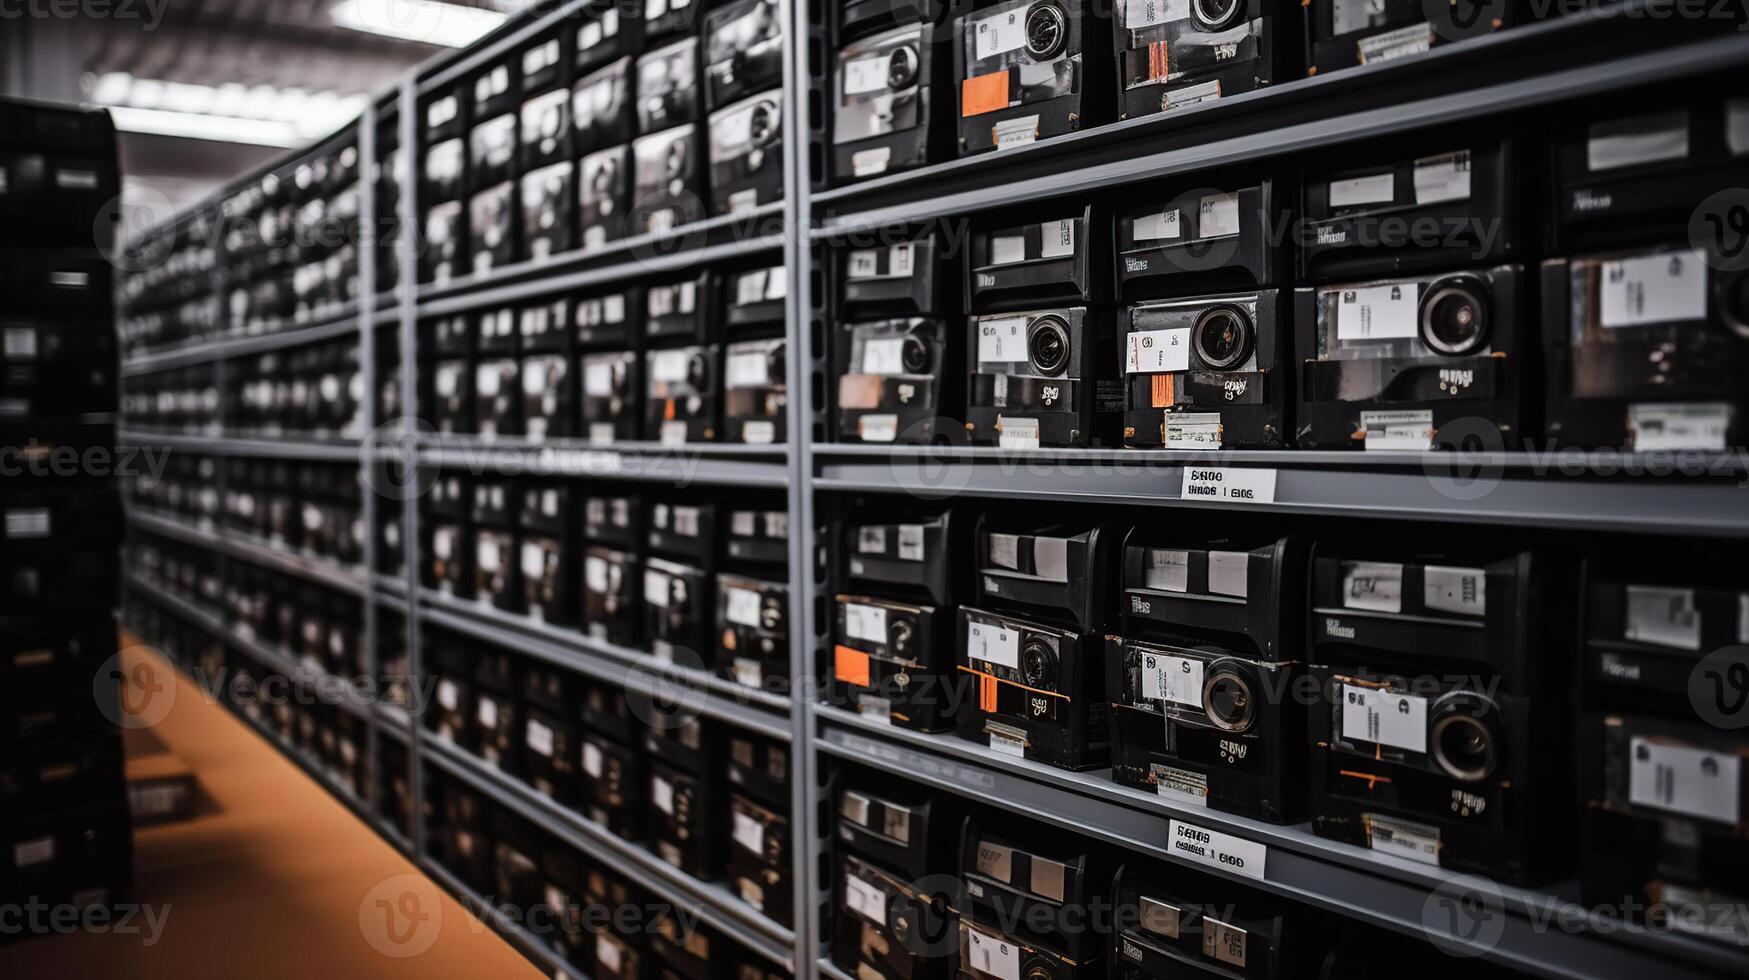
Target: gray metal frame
[1535,66]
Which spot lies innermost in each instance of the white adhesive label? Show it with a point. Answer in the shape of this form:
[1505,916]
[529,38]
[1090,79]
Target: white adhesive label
[1369,189]
[866,74]
[749,833]
[1667,427]
[1400,43]
[1379,312]
[1169,678]
[993,644]
[1663,617]
[656,585]
[867,163]
[1195,431]
[662,793]
[1218,216]
[1414,841]
[1678,779]
[884,357]
[1002,341]
[748,369]
[1373,586]
[1653,289]
[1151,13]
[999,33]
[1159,227]
[865,899]
[1017,433]
[1230,573]
[1410,430]
[743,607]
[990,956]
[592,760]
[1007,249]
[1057,239]
[539,738]
[1631,142]
[1157,351]
[878,428]
[865,622]
[1397,720]
[1455,590]
[1015,132]
[1247,485]
[1218,850]
[1443,178]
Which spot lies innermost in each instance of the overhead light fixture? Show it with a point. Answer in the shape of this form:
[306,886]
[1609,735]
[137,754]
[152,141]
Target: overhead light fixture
[427,21]
[261,115]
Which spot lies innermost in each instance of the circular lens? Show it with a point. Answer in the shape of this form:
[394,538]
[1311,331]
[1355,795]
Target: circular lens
[1047,30]
[914,354]
[1733,302]
[1038,665]
[1454,316]
[676,163]
[902,67]
[1223,337]
[1217,15]
[1465,747]
[1047,343]
[697,372]
[1038,971]
[763,127]
[1227,698]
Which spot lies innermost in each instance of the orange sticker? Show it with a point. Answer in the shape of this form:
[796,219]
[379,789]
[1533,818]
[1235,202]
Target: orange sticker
[987,689]
[850,666]
[1159,61]
[985,93]
[1162,391]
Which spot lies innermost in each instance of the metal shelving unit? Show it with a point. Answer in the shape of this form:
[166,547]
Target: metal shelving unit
[252,549]
[1512,71]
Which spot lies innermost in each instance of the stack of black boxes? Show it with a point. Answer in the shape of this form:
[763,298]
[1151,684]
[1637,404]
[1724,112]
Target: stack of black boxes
[64,832]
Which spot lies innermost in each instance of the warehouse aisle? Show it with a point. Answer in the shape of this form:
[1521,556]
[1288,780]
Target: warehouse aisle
[272,879]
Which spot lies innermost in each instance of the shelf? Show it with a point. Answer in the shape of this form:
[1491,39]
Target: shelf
[717,906]
[1387,891]
[524,942]
[716,464]
[236,545]
[1511,71]
[312,450]
[669,689]
[329,688]
[280,336]
[641,255]
[1519,489]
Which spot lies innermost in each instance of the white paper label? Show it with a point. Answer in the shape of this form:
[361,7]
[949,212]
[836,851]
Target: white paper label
[1007,249]
[1230,573]
[865,898]
[992,957]
[1414,841]
[865,622]
[1218,850]
[993,644]
[1400,43]
[1402,430]
[759,432]
[867,163]
[1157,351]
[878,428]
[1355,15]
[885,357]
[999,34]
[1370,189]
[1017,433]
[18,342]
[748,369]
[901,260]
[1663,617]
[540,738]
[32,523]
[1158,227]
[1371,585]
[27,853]
[607,953]
[1218,216]
[669,366]
[743,607]
[1696,425]
[534,561]
[864,264]
[1195,431]
[1692,782]
[656,588]
[867,74]
[1443,178]
[1630,142]
[911,542]
[1167,571]
[1193,95]
[662,792]
[1168,678]
[447,695]
[1383,718]
[749,833]
[1015,132]
[1057,239]
[1002,341]
[1150,13]
[1653,289]
[487,713]
[592,760]
[1247,485]
[673,433]
[1455,590]
[1379,312]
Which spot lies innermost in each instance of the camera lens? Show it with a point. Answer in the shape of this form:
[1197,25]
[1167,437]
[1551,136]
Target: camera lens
[1454,316]
[763,127]
[1217,15]
[1733,302]
[1047,344]
[676,163]
[914,354]
[902,67]
[1464,743]
[1038,665]
[1227,698]
[1047,30]
[1038,970]
[1223,337]
[697,373]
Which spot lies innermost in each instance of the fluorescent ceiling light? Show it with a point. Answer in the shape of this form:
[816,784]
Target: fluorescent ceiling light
[201,126]
[428,21]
